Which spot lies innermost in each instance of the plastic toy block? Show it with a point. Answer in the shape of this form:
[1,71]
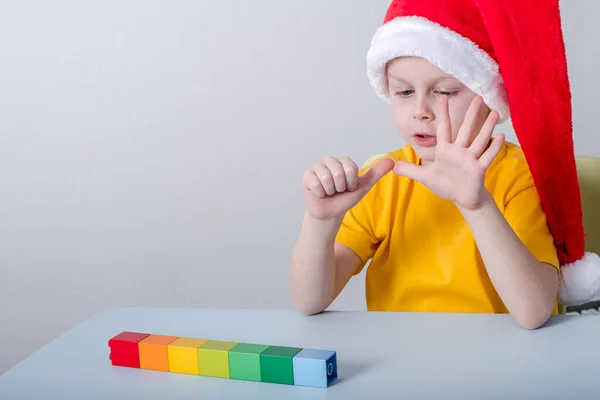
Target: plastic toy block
[316,368]
[276,364]
[213,358]
[244,361]
[154,352]
[230,360]
[124,351]
[183,355]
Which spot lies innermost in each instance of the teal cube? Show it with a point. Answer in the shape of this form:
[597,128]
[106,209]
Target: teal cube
[244,361]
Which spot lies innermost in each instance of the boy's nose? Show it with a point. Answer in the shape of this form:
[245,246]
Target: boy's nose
[422,111]
[423,114]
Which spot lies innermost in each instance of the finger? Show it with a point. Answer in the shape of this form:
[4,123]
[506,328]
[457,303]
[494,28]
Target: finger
[312,183]
[351,171]
[465,133]
[444,129]
[325,177]
[374,174]
[490,154]
[410,170]
[482,140]
[338,173]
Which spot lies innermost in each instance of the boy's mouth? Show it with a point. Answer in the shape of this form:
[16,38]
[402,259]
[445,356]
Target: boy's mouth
[423,135]
[424,139]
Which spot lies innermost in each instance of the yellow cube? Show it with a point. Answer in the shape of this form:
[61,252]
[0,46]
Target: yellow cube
[213,358]
[183,355]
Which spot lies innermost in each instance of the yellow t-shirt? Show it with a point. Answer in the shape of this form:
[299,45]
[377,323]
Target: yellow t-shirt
[423,254]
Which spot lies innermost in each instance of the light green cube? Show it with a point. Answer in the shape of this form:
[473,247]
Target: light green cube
[244,361]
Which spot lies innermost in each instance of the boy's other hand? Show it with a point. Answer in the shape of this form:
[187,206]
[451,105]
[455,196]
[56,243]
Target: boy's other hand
[333,186]
[458,170]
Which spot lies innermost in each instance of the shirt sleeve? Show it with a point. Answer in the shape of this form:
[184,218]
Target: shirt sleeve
[525,215]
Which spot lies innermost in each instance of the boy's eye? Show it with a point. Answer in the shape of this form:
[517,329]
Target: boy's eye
[404,92]
[445,93]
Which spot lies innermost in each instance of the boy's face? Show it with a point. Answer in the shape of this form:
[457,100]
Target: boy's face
[415,87]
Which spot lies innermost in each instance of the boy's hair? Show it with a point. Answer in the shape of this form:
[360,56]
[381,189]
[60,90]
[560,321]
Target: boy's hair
[501,50]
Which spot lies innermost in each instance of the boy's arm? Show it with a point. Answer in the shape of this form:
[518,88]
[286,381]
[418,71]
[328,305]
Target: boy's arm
[528,287]
[320,267]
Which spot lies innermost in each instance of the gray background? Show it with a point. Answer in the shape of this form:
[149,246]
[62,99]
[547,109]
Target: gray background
[151,151]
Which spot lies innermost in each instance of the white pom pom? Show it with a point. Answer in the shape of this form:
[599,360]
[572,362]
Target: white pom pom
[580,281]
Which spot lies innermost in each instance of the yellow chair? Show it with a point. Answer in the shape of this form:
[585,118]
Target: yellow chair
[588,171]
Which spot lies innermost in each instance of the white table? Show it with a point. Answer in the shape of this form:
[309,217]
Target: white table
[400,355]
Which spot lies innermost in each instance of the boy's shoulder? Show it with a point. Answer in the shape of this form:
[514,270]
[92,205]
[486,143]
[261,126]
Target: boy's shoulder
[509,174]
[511,155]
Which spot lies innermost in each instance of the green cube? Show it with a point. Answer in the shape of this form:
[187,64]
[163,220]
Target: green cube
[277,364]
[244,361]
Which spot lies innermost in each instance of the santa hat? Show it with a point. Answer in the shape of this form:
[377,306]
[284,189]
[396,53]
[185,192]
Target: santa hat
[506,50]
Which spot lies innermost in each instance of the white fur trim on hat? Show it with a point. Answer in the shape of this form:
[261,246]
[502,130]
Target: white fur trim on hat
[449,51]
[580,281]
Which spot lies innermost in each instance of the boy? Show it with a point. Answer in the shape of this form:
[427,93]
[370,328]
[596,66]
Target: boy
[457,221]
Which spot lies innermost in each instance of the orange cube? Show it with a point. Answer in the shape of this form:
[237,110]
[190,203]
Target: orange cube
[154,352]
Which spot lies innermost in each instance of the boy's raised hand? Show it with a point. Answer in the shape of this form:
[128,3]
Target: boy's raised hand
[458,171]
[333,186]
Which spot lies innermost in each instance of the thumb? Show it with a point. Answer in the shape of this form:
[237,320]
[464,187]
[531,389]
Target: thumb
[375,173]
[410,170]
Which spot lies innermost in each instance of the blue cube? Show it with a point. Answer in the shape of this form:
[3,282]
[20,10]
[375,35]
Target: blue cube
[316,368]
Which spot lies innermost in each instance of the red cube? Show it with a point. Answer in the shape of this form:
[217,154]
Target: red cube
[124,349]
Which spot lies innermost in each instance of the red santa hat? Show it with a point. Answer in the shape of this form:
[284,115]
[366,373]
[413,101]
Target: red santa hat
[511,53]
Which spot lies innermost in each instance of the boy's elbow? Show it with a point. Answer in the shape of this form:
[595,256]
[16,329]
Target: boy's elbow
[309,308]
[531,323]
[305,303]
[533,316]
[308,311]
[535,310]
[304,306]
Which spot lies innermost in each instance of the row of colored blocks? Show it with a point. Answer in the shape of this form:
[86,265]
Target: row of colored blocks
[232,360]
